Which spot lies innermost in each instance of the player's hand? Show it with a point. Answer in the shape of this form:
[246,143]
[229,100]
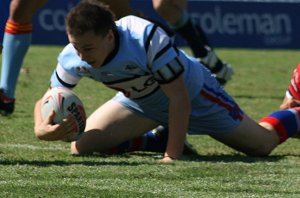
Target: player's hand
[288,103]
[52,132]
[167,159]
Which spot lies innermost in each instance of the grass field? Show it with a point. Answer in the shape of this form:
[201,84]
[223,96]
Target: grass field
[33,168]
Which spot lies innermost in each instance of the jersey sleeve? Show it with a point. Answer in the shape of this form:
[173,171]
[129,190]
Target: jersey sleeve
[65,74]
[162,55]
[294,87]
[62,78]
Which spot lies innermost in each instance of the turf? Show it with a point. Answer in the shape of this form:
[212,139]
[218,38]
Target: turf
[33,168]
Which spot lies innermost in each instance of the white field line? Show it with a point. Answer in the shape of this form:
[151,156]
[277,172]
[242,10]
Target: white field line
[33,147]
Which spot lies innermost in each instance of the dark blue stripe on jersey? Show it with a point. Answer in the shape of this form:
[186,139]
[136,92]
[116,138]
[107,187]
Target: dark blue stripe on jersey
[162,51]
[220,95]
[169,31]
[116,49]
[147,43]
[155,90]
[124,79]
[176,49]
[64,83]
[175,74]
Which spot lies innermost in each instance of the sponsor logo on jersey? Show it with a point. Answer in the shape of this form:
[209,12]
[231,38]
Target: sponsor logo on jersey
[131,68]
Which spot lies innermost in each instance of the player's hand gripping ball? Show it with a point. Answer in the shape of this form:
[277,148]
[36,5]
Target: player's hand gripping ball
[64,102]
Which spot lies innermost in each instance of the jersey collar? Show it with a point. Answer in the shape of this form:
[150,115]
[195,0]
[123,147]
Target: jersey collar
[114,52]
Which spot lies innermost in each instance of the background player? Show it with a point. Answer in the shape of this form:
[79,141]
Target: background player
[16,40]
[292,96]
[176,14]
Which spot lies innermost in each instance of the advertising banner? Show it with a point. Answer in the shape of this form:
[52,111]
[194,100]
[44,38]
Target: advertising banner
[237,24]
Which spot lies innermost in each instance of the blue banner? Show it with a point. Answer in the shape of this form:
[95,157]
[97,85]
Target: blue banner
[242,24]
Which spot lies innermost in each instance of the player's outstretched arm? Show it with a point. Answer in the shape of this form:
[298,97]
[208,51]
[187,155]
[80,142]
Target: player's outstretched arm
[292,95]
[179,110]
[46,129]
[289,102]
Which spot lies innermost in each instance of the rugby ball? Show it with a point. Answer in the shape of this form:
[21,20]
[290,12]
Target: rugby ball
[64,102]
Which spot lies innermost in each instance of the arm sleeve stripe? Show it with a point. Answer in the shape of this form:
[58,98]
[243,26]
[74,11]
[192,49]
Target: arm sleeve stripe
[65,76]
[170,72]
[162,51]
[147,43]
[64,83]
[123,80]
[168,30]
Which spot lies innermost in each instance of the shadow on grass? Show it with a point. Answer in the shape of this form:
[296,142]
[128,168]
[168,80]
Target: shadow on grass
[46,163]
[258,97]
[127,160]
[227,158]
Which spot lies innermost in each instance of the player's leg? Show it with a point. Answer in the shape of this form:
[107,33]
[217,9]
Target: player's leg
[217,114]
[16,40]
[121,8]
[256,139]
[175,13]
[153,141]
[109,126]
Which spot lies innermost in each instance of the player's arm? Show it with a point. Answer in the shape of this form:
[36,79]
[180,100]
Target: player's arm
[289,102]
[46,130]
[292,96]
[61,77]
[121,8]
[43,129]
[172,83]
[179,111]
[167,70]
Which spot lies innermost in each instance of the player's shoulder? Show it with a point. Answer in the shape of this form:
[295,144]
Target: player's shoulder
[69,56]
[131,20]
[68,50]
[133,23]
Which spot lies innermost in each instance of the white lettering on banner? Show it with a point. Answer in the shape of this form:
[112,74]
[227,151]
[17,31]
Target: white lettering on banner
[276,28]
[53,19]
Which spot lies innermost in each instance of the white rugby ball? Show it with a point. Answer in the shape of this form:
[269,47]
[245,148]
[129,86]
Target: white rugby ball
[64,102]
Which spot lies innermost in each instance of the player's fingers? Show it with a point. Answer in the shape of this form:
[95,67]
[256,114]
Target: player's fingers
[69,122]
[68,126]
[50,117]
[294,103]
[284,106]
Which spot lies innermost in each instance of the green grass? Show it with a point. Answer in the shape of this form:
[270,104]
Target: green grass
[33,168]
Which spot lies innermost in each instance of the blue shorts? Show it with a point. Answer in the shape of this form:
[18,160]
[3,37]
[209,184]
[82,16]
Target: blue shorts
[213,111]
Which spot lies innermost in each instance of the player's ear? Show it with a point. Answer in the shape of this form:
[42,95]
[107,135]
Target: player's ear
[110,35]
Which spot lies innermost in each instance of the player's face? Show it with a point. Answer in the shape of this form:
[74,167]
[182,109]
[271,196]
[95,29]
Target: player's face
[93,48]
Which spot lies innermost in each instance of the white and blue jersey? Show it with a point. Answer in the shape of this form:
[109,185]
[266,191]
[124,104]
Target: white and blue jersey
[144,58]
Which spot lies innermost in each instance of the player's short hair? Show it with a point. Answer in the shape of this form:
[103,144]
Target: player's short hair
[90,15]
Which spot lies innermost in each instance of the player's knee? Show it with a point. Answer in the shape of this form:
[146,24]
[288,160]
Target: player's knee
[73,149]
[76,149]
[261,150]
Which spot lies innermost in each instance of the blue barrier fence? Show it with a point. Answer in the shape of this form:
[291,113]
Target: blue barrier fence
[243,24]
